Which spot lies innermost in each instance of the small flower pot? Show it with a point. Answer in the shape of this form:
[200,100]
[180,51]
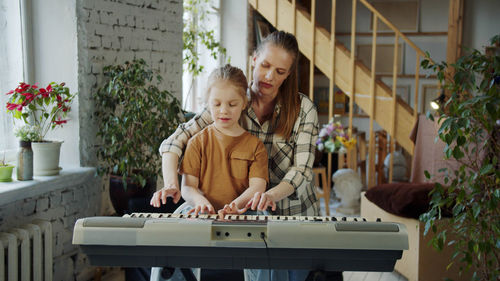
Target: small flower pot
[46,158]
[6,173]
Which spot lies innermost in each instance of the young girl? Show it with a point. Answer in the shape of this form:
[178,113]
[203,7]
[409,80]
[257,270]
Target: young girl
[223,165]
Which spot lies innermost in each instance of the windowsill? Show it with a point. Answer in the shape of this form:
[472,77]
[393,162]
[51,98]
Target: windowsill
[19,190]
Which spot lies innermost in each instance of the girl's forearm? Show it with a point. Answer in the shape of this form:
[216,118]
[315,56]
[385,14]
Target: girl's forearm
[193,196]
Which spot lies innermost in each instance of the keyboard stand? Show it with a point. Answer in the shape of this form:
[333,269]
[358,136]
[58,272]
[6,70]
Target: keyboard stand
[167,272]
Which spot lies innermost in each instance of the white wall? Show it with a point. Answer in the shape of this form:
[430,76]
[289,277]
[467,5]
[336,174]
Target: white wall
[55,59]
[235,31]
[481,22]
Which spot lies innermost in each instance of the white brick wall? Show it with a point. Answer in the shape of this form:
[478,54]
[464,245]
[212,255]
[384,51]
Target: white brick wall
[69,198]
[112,32]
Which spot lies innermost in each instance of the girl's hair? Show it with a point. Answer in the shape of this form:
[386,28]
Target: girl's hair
[288,96]
[232,75]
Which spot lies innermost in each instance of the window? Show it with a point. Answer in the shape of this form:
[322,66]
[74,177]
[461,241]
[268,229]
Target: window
[11,70]
[204,17]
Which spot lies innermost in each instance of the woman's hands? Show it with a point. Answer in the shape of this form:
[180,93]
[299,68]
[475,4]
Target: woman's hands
[261,201]
[170,181]
[160,196]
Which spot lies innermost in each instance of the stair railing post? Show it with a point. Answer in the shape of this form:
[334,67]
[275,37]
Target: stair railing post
[416,97]
[332,84]
[371,169]
[353,69]
[313,50]
[394,104]
[276,13]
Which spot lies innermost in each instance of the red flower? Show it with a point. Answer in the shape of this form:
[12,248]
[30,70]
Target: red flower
[23,86]
[49,88]
[12,106]
[59,122]
[29,96]
[58,97]
[10,92]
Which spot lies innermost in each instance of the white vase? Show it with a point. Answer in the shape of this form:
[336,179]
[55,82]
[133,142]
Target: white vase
[46,158]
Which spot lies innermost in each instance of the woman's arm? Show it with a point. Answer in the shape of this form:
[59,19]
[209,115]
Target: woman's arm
[171,150]
[300,172]
[303,158]
[262,201]
[178,140]
[256,185]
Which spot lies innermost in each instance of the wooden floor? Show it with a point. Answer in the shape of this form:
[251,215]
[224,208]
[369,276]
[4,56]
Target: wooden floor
[373,276]
[357,275]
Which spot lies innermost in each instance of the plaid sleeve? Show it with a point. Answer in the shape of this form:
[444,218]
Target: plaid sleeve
[305,145]
[178,140]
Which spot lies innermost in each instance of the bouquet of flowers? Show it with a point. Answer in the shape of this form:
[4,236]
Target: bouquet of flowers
[334,138]
[41,109]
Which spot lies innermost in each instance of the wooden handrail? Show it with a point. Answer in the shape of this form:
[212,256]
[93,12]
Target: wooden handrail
[380,99]
[394,29]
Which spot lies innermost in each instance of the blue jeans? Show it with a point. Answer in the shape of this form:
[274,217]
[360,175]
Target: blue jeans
[276,274]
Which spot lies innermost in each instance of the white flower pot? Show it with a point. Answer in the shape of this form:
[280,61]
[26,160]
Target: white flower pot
[46,158]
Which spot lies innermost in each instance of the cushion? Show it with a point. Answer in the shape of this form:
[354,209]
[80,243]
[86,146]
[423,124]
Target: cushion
[403,199]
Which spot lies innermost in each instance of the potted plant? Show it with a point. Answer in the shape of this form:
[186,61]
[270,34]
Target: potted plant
[5,170]
[470,128]
[134,117]
[43,109]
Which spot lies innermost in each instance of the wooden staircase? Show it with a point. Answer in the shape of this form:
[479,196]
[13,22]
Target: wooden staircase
[346,72]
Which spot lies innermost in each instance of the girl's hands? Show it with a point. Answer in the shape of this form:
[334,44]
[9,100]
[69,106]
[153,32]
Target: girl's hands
[203,208]
[160,196]
[261,201]
[231,208]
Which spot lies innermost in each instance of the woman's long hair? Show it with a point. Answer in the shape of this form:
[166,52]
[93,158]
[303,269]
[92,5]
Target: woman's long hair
[288,96]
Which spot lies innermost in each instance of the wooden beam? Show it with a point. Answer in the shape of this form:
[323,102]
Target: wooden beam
[455,30]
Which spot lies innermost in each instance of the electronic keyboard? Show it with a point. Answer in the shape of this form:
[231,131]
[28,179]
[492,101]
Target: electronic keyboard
[241,241]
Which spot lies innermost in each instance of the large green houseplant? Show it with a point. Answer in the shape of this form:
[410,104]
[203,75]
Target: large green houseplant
[470,128]
[134,117]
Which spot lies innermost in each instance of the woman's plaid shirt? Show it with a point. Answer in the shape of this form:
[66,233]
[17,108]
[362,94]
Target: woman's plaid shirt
[290,160]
